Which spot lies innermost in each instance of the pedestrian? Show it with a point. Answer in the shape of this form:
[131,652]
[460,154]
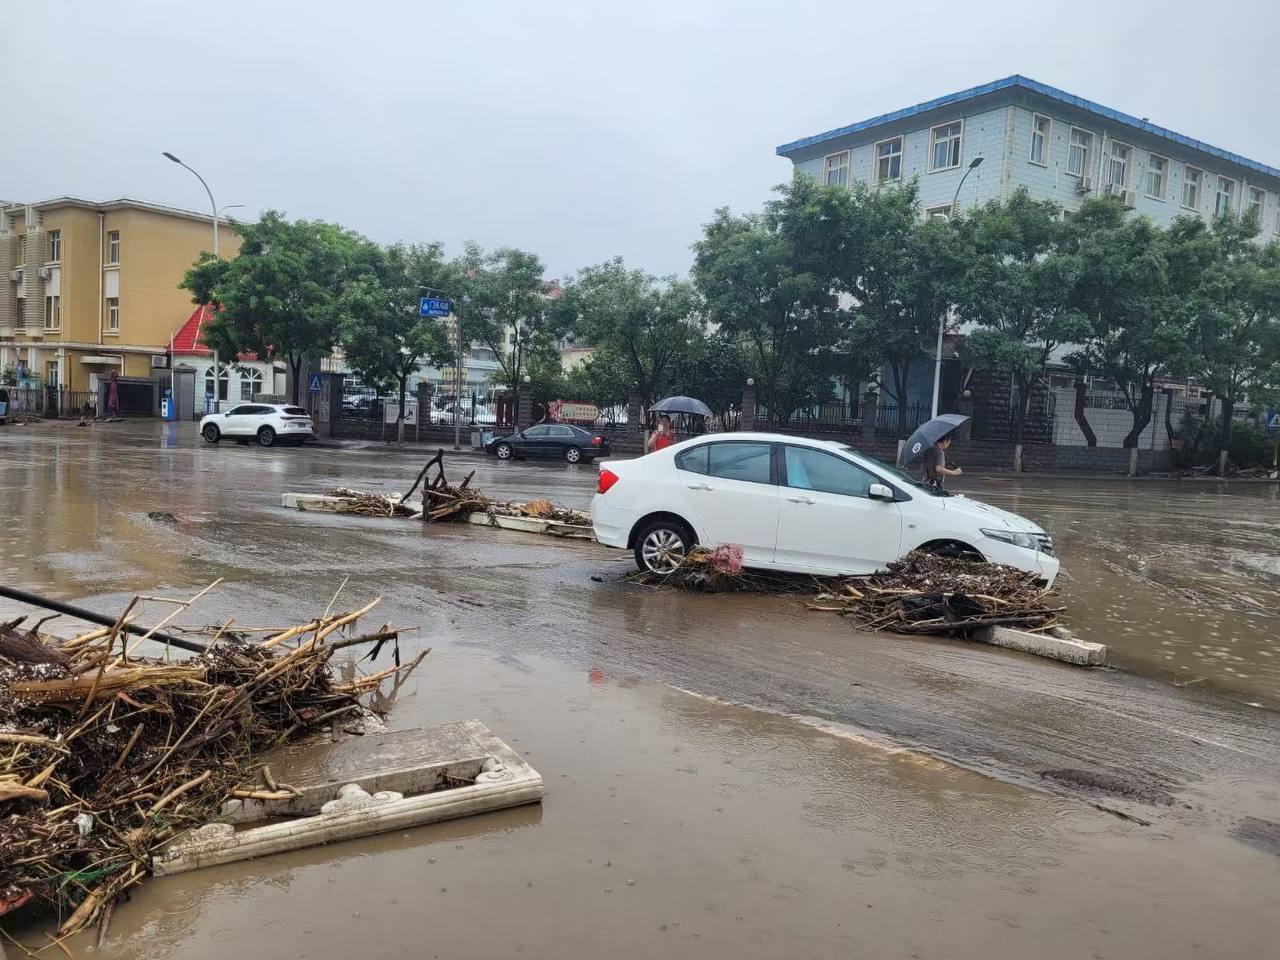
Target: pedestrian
[664,436]
[936,470]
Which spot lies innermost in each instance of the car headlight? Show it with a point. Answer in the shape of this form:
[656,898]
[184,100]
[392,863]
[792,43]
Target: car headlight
[1027,541]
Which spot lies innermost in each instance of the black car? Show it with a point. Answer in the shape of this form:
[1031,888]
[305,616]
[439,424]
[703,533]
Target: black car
[559,440]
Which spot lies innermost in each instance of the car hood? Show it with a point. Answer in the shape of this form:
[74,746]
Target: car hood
[989,515]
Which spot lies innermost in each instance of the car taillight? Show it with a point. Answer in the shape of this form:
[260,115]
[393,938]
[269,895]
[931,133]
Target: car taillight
[596,441]
[607,479]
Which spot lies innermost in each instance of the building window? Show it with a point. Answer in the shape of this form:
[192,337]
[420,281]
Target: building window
[1078,153]
[1157,175]
[944,149]
[889,159]
[52,312]
[113,314]
[835,169]
[940,212]
[224,380]
[1257,200]
[1191,179]
[1040,130]
[113,246]
[250,383]
[1224,202]
[55,246]
[1118,164]
[20,316]
[52,377]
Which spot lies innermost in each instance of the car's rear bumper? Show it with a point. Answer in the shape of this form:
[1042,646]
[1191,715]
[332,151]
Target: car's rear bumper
[612,526]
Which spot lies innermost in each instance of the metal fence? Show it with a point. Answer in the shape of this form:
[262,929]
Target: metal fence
[834,416]
[32,401]
[888,420]
[1004,426]
[77,403]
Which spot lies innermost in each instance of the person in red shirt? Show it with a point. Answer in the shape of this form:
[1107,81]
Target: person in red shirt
[664,436]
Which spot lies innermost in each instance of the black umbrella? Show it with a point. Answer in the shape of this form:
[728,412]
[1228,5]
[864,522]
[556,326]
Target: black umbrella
[929,433]
[681,405]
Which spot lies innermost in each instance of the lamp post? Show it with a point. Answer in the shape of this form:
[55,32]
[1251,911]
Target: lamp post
[942,320]
[212,203]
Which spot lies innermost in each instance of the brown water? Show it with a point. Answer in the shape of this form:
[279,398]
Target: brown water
[869,796]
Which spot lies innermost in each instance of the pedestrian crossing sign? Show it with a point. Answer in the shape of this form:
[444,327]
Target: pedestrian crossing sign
[313,386]
[1273,419]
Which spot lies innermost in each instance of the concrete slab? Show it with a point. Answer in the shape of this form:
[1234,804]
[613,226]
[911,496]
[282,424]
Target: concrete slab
[1068,650]
[323,503]
[502,780]
[531,525]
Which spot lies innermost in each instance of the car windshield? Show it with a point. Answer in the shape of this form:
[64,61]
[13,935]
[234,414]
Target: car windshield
[875,466]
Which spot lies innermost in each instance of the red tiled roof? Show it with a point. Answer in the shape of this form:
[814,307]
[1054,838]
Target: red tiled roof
[186,341]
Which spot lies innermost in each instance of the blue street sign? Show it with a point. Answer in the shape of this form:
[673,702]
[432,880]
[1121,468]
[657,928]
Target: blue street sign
[1273,419]
[313,385]
[435,307]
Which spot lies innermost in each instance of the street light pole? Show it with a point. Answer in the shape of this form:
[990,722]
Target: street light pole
[457,398]
[942,320]
[212,203]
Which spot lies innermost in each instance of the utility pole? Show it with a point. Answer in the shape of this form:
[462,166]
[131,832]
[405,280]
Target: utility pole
[942,320]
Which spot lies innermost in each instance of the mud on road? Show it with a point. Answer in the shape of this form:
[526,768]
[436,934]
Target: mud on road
[771,781]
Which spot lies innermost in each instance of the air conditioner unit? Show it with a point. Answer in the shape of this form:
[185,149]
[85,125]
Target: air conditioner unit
[16,275]
[46,273]
[1115,190]
[1129,199]
[159,361]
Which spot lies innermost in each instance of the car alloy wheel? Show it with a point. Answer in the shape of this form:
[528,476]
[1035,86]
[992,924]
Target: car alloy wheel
[266,436]
[503,450]
[210,433]
[662,550]
[573,454]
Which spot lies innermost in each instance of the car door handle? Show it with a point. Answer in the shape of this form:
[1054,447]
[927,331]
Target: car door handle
[699,486]
[801,500]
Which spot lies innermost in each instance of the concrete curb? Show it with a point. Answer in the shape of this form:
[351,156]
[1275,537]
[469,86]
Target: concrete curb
[1080,652]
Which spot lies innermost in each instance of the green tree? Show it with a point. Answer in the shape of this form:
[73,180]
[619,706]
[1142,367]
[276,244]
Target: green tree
[903,274]
[277,297]
[507,310]
[603,379]
[770,281]
[646,321]
[382,335]
[1235,310]
[714,369]
[1016,287]
[1120,280]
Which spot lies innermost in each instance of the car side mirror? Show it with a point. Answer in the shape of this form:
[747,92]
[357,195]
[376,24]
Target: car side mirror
[878,491]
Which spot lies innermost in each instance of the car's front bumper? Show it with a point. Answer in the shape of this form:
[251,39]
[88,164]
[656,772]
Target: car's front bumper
[612,526]
[1041,564]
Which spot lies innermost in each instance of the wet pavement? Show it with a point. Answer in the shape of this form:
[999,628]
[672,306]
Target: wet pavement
[727,776]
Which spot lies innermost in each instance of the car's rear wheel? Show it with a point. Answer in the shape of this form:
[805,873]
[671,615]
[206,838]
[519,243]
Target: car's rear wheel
[503,451]
[266,436]
[211,433]
[662,546]
[573,454]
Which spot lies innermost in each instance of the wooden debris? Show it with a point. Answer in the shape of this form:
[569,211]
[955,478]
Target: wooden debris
[106,760]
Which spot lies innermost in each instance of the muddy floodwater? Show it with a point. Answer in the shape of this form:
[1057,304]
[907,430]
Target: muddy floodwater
[726,776]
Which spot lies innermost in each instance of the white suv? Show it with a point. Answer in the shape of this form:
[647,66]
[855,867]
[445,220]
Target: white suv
[799,505]
[268,423]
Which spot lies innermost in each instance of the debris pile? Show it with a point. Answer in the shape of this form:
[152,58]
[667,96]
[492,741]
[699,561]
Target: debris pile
[370,504]
[106,756]
[925,593]
[921,593]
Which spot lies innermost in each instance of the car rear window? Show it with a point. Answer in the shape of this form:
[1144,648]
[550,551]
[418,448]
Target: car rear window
[296,412]
[744,461]
[693,460]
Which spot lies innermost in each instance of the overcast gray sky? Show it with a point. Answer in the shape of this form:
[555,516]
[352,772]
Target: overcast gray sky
[579,130]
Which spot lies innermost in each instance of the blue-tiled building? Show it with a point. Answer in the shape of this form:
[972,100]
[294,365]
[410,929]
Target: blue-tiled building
[1058,146]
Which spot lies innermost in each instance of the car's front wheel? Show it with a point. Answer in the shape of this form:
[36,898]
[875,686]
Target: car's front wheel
[266,436]
[662,546]
[211,433]
[503,451]
[573,455]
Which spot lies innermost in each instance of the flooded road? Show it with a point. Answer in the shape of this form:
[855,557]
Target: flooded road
[727,777]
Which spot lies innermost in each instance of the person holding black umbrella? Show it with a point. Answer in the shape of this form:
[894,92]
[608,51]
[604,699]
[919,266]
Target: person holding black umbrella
[931,440]
[936,470]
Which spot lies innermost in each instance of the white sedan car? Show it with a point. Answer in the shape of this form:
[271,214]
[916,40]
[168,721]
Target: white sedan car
[805,506]
[268,423]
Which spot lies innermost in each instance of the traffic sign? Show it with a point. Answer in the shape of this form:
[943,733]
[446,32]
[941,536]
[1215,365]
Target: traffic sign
[435,307]
[313,385]
[1273,419]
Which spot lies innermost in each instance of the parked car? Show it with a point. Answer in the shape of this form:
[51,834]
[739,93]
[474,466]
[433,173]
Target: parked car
[558,440]
[798,505]
[443,416]
[268,423]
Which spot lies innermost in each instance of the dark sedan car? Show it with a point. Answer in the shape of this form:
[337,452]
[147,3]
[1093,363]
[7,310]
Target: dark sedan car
[559,440]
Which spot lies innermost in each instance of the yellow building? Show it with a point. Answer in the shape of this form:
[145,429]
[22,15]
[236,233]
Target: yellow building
[90,288]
